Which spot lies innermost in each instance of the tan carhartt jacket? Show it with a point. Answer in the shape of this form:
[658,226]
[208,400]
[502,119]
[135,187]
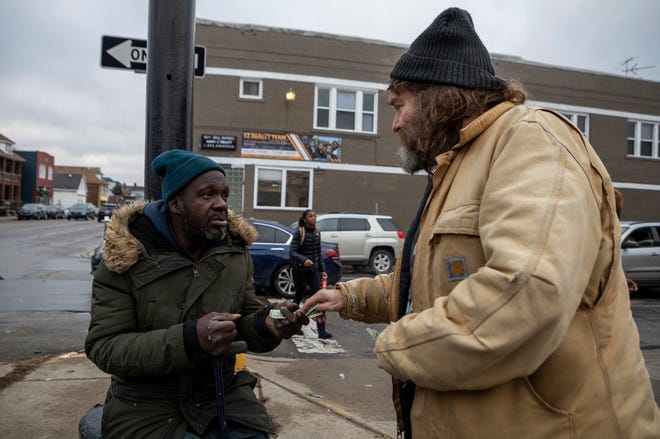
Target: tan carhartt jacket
[521,324]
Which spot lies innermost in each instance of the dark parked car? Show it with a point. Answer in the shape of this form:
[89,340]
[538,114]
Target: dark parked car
[106,209]
[81,210]
[97,256]
[270,256]
[640,252]
[54,211]
[32,211]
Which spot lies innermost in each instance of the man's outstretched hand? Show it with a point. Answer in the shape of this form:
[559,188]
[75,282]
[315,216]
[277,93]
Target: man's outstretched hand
[290,323]
[326,300]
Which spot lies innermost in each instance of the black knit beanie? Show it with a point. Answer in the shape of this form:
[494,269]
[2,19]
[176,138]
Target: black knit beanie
[449,52]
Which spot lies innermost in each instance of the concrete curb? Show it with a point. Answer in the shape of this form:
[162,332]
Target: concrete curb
[256,366]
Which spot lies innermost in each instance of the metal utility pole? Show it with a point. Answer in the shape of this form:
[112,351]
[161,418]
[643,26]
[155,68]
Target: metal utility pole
[170,51]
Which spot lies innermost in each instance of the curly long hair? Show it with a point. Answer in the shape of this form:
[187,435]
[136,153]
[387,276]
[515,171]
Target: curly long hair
[443,108]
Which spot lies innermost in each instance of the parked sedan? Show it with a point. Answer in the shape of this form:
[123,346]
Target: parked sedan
[32,211]
[54,211]
[270,256]
[81,210]
[640,252]
[105,209]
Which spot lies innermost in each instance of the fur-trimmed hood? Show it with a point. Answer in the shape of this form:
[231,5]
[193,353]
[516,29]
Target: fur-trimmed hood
[123,250]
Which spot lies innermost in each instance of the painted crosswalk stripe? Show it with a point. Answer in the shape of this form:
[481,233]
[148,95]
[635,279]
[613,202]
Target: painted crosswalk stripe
[310,343]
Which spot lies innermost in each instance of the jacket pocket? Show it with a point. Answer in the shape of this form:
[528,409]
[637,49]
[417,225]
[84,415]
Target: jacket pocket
[460,220]
[454,246]
[513,410]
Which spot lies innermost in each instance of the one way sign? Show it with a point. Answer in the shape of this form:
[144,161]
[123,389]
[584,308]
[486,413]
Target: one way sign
[131,54]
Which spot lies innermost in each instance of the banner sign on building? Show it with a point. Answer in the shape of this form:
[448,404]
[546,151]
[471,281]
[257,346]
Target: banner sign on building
[213,141]
[289,146]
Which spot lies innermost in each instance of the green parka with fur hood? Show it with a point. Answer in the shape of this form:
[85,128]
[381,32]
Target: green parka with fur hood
[143,292]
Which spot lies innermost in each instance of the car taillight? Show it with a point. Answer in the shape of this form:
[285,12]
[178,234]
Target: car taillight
[331,253]
[399,233]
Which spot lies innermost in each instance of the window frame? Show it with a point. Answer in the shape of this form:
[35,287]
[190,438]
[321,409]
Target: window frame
[253,97]
[637,139]
[573,117]
[358,111]
[283,192]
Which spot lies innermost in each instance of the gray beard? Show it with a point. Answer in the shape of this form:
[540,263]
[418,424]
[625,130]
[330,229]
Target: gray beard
[409,161]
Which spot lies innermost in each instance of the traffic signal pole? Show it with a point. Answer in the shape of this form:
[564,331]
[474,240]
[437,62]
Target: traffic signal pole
[170,73]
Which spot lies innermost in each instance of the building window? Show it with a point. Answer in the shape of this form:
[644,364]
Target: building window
[251,88]
[581,121]
[283,188]
[42,171]
[348,110]
[235,183]
[643,139]
[50,173]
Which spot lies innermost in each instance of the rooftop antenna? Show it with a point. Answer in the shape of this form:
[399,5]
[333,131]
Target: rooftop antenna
[631,67]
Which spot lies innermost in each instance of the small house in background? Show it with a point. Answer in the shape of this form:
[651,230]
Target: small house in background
[11,170]
[70,189]
[97,188]
[37,179]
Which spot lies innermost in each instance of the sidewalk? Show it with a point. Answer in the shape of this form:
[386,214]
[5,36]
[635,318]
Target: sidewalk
[49,402]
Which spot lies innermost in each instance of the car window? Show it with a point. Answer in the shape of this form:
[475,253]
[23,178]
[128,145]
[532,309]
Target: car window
[281,237]
[266,233]
[387,224]
[271,234]
[353,224]
[327,225]
[642,236]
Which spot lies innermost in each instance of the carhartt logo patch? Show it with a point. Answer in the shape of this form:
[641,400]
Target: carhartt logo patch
[456,269]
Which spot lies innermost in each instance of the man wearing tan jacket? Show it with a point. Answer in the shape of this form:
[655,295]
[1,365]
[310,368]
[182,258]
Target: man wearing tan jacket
[509,306]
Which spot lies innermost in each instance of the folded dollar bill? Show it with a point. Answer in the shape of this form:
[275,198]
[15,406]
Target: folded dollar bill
[373,333]
[311,312]
[277,314]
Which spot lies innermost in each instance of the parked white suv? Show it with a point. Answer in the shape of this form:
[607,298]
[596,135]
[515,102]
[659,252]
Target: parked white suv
[640,252]
[363,239]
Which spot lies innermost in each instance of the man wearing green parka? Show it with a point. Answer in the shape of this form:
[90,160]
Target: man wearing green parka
[509,308]
[175,288]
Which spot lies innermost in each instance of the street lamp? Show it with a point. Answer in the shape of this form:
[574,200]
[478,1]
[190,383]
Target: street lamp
[290,95]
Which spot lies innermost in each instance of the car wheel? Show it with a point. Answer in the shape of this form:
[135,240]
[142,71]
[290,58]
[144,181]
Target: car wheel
[282,282]
[381,261]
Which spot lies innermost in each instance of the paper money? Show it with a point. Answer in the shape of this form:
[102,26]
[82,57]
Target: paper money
[373,333]
[277,314]
[311,312]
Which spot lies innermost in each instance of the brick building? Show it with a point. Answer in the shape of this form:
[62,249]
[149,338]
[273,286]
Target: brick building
[270,97]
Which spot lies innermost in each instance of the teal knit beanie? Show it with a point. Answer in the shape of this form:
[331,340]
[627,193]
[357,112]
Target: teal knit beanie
[179,167]
[449,52]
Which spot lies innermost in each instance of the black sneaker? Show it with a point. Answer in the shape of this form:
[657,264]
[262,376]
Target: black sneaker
[325,335]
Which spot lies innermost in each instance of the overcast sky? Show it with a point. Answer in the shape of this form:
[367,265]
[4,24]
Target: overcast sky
[55,97]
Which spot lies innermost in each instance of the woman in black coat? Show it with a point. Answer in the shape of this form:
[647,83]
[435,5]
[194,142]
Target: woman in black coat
[307,261]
